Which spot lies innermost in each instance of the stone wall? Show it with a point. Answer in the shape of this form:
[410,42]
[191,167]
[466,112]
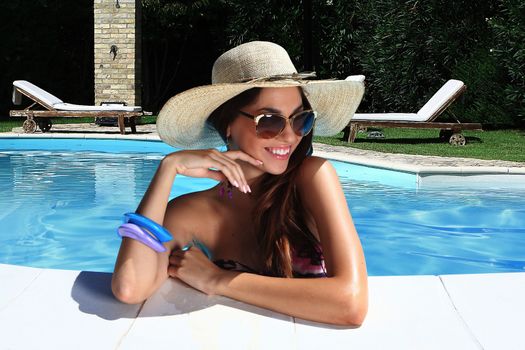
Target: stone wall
[117,77]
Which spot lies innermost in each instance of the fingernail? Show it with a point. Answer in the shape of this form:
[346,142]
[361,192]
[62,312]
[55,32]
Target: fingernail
[260,163]
[249,189]
[235,183]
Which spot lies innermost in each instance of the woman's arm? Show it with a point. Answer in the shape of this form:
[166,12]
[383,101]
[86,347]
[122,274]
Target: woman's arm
[329,300]
[139,271]
[341,298]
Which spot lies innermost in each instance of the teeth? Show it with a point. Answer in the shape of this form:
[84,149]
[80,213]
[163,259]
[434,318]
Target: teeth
[280,151]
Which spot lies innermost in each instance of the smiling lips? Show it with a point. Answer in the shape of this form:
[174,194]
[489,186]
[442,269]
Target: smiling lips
[281,153]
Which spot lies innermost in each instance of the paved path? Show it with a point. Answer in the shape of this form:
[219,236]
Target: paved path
[149,130]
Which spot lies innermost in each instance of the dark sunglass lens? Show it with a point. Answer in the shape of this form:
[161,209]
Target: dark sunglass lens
[270,126]
[303,123]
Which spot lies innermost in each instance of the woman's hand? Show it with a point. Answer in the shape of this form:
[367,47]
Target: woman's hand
[213,164]
[195,269]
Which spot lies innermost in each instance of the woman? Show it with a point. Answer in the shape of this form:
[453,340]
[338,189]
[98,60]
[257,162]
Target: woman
[277,212]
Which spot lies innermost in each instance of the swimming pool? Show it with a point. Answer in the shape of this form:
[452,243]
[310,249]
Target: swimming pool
[63,199]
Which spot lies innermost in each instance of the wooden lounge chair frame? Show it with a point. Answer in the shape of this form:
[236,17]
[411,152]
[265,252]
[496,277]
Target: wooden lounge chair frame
[449,131]
[43,117]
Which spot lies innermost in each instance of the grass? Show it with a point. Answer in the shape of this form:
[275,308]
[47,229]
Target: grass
[498,144]
[9,124]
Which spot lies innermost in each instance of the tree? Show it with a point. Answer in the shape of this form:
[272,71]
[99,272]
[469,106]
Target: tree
[508,26]
[178,46]
[49,43]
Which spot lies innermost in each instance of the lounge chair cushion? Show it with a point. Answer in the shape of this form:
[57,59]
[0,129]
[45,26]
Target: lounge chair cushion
[427,113]
[360,78]
[37,92]
[55,103]
[405,117]
[440,98]
[115,107]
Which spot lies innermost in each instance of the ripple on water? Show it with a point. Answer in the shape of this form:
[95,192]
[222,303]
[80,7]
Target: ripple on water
[61,210]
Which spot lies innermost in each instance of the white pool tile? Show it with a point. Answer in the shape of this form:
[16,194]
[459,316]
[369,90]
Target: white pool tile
[151,137]
[484,170]
[65,310]
[472,181]
[14,280]
[493,306]
[179,316]
[53,309]
[404,313]
[100,136]
[435,170]
[514,170]
[66,136]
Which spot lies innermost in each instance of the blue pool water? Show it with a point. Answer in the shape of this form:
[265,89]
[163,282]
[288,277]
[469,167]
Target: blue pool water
[63,199]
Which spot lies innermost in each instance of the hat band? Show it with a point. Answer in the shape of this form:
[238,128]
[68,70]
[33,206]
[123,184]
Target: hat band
[294,76]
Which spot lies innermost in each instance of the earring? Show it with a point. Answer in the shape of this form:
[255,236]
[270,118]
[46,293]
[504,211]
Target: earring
[228,190]
[228,142]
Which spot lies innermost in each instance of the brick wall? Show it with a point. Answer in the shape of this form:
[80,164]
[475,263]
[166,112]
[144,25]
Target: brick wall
[117,78]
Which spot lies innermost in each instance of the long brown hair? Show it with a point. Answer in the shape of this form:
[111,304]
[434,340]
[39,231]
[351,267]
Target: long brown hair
[279,216]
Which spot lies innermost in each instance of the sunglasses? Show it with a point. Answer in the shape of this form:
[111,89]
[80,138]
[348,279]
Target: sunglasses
[270,125]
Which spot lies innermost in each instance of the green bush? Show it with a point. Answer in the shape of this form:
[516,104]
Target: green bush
[279,21]
[408,49]
[508,26]
[178,48]
[334,32]
[484,100]
[49,43]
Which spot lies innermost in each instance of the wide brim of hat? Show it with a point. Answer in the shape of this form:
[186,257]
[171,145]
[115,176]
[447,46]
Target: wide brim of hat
[182,120]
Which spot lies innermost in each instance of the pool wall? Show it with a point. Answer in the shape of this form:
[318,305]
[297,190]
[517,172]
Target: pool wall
[440,176]
[385,172]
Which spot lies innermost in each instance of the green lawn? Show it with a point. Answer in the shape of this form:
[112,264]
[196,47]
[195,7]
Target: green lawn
[9,124]
[498,144]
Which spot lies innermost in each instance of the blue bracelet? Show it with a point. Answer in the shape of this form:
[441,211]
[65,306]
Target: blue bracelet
[144,230]
[150,233]
[157,230]
[199,245]
[135,232]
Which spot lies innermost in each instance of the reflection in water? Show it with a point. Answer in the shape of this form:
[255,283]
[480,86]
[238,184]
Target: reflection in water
[61,210]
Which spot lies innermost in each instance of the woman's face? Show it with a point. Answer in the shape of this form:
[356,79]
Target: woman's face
[274,153]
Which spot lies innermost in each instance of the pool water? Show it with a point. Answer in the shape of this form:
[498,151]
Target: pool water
[60,209]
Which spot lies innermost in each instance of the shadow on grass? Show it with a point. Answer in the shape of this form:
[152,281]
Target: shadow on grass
[413,141]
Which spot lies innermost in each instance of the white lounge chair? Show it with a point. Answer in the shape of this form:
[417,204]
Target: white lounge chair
[55,107]
[424,118]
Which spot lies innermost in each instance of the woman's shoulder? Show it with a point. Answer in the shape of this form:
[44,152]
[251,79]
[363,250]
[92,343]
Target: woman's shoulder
[188,211]
[314,168]
[194,202]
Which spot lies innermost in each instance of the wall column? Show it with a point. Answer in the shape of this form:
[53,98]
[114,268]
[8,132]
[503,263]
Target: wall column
[117,51]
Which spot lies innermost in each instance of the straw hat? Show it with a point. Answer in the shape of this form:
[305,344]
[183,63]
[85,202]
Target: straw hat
[182,120]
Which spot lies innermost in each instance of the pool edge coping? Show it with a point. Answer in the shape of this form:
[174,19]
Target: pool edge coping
[441,284]
[418,170]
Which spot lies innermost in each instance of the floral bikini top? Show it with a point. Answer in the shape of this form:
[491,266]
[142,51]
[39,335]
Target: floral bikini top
[304,265]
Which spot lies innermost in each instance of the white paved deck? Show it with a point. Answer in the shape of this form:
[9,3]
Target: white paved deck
[57,309]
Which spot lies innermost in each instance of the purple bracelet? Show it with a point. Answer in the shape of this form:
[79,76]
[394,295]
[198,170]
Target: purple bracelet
[136,232]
